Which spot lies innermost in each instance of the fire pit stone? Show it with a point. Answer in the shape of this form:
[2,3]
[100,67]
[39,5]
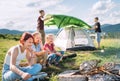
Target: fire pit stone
[68,76]
[90,71]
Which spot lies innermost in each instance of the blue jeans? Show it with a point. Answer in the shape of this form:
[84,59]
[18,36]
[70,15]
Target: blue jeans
[8,75]
[54,58]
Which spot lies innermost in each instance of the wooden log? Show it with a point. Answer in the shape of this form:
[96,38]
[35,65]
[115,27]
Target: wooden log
[69,56]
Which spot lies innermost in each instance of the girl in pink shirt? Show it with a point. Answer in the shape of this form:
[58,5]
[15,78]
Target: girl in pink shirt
[53,55]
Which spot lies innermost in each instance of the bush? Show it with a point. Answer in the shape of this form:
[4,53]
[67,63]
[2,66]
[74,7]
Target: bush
[2,36]
[113,35]
[15,37]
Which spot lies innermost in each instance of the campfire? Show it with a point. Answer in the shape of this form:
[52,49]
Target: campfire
[92,71]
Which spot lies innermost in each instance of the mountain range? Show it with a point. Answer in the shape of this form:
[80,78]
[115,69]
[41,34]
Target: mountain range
[7,31]
[105,28]
[111,28]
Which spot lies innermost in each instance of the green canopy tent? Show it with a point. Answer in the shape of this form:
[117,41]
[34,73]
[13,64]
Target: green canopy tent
[72,36]
[63,21]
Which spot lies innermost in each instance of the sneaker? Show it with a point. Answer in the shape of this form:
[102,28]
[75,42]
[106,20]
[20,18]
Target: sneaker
[56,64]
[44,67]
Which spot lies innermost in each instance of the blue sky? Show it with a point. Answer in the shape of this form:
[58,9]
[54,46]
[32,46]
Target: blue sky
[23,14]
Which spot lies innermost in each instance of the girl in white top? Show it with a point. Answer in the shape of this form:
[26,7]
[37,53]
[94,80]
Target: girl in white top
[11,69]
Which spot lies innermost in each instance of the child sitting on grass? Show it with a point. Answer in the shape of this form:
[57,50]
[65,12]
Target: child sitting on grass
[38,49]
[53,55]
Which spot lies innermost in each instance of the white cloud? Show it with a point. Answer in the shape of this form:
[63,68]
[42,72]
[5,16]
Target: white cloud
[23,14]
[115,14]
[61,9]
[102,7]
[115,17]
[107,10]
[43,3]
[111,20]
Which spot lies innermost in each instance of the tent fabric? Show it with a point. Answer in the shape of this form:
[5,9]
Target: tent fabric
[74,39]
[73,36]
[64,21]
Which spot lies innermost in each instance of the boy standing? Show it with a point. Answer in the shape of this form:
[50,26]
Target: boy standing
[97,28]
[40,25]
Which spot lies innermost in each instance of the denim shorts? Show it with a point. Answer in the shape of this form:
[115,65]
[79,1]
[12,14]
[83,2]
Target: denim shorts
[98,37]
[53,57]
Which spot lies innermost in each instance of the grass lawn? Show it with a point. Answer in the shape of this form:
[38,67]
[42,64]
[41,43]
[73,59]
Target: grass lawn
[111,54]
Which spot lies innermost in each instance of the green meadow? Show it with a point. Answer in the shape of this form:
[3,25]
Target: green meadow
[111,53]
